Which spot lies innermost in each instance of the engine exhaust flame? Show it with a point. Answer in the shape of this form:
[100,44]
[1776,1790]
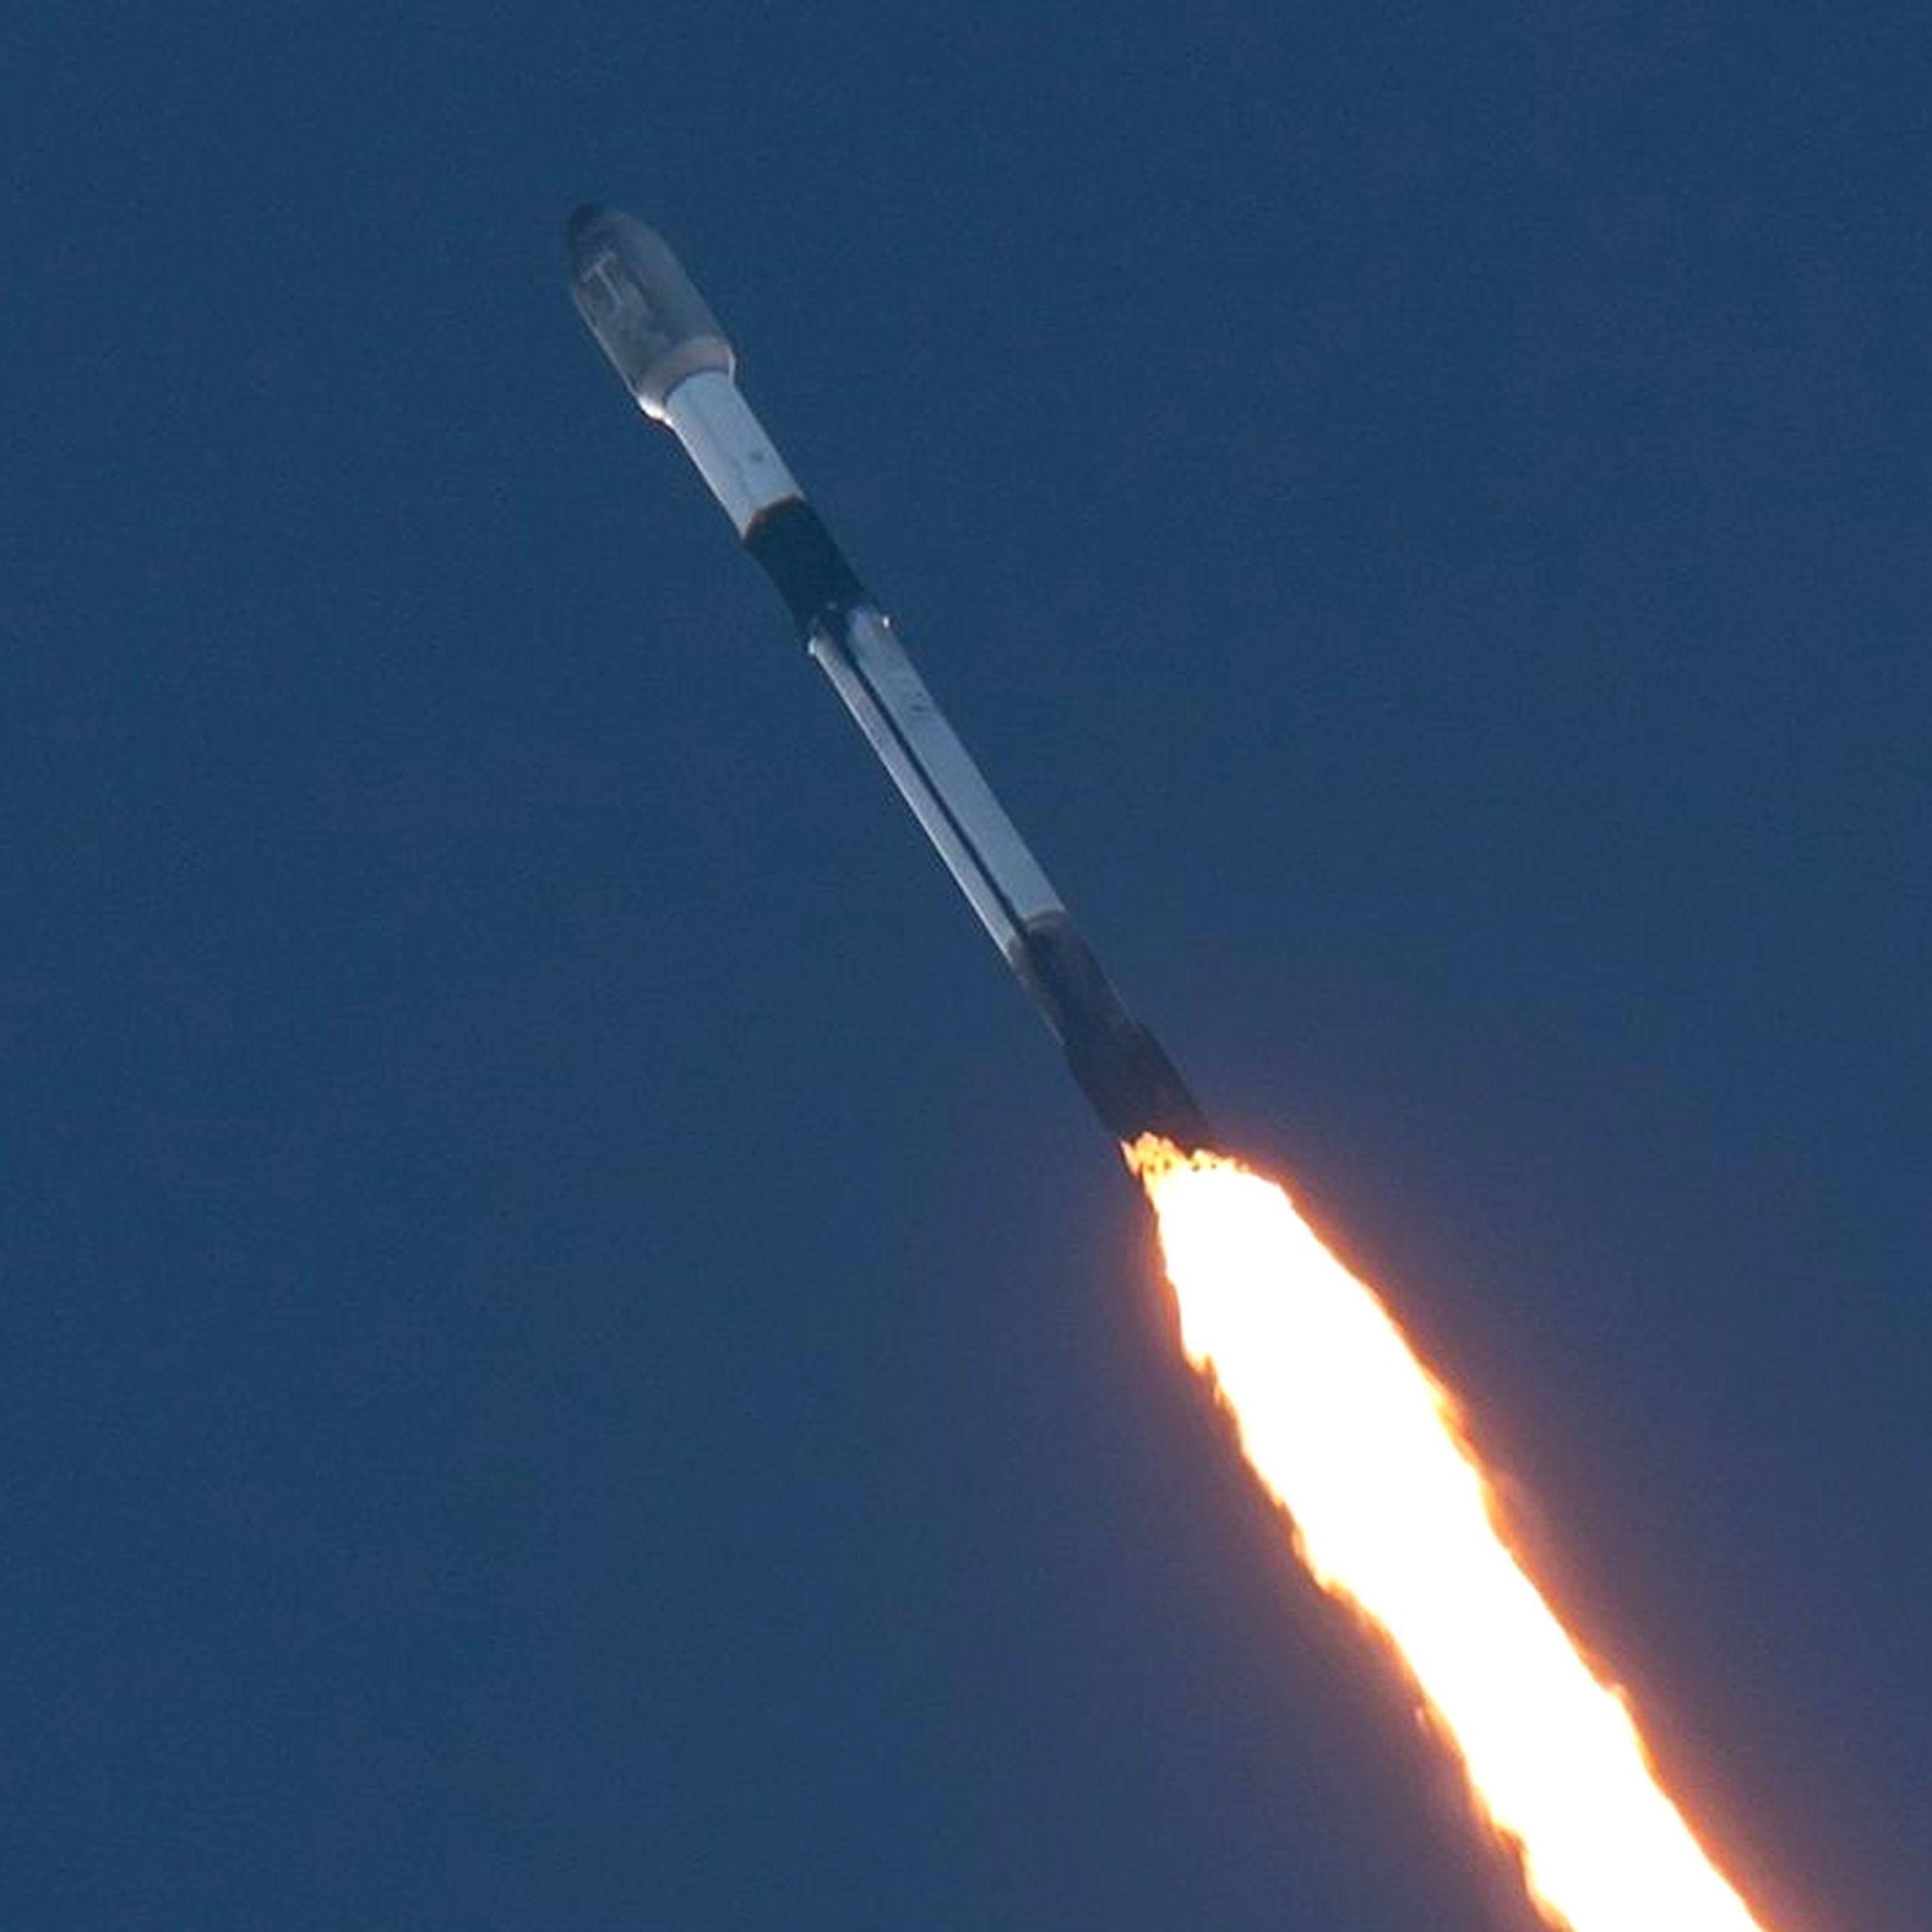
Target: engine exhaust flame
[1361,1446]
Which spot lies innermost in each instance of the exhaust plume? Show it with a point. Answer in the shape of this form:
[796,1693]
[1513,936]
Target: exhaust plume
[1360,1446]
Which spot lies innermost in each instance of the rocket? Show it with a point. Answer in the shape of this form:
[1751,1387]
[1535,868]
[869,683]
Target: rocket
[666,345]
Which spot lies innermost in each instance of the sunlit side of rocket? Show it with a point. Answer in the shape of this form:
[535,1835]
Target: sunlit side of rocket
[667,345]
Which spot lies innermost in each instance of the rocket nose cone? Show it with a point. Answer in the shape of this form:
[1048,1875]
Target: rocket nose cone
[594,231]
[580,231]
[640,305]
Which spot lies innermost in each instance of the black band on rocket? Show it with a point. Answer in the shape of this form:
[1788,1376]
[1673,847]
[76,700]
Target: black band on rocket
[796,551]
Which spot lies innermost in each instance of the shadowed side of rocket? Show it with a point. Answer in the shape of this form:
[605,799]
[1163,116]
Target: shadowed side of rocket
[667,345]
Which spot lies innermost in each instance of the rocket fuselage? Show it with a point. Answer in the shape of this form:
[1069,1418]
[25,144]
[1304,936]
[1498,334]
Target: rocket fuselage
[667,347]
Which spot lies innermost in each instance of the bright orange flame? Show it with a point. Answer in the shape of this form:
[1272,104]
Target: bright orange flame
[1360,1446]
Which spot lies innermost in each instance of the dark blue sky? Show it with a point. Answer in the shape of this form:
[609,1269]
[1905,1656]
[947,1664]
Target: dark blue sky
[571,1358]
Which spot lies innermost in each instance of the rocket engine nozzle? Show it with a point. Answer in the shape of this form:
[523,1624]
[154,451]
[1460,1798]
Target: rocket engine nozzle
[1123,1069]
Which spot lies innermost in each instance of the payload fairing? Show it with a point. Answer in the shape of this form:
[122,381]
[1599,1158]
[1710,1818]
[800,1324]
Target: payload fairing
[667,345]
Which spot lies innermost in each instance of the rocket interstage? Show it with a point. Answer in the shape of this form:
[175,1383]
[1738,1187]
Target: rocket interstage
[664,342]
[1340,1422]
